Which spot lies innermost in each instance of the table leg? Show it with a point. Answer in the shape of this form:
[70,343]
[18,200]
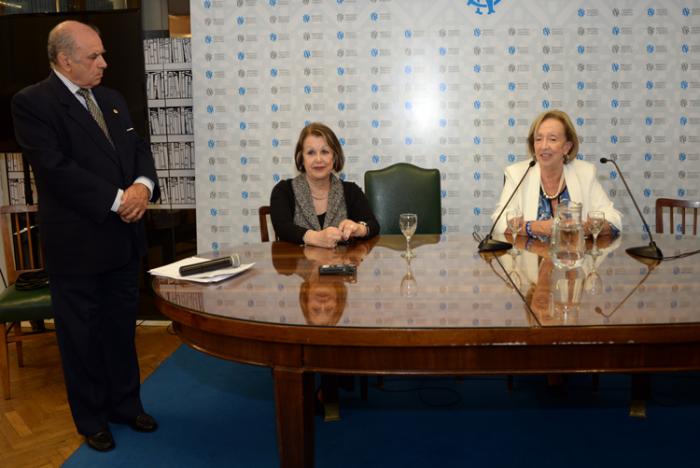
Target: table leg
[331,405]
[640,392]
[295,417]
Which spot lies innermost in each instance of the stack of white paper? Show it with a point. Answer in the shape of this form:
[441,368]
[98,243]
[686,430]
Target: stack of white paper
[173,271]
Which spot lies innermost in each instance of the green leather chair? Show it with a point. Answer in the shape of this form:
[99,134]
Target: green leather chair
[405,188]
[20,237]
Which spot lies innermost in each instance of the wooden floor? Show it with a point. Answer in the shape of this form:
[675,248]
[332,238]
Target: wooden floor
[36,428]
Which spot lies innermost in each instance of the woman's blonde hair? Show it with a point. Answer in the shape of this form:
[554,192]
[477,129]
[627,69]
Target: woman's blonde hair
[569,132]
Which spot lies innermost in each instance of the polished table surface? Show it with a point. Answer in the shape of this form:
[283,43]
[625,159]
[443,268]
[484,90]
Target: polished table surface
[448,311]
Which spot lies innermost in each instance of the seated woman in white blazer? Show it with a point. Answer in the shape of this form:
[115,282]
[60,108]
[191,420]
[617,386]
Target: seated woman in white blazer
[558,177]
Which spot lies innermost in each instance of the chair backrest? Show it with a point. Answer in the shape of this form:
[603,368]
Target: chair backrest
[682,206]
[405,188]
[20,240]
[263,215]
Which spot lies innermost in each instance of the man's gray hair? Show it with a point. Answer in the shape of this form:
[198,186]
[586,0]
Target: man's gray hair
[61,40]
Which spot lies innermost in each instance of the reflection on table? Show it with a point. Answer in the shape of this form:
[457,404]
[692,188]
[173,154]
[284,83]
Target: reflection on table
[609,288]
[450,285]
[322,298]
[447,285]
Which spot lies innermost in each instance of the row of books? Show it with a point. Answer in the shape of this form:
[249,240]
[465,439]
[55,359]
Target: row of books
[15,189]
[177,190]
[174,81]
[173,155]
[13,162]
[171,120]
[175,84]
[174,190]
[167,50]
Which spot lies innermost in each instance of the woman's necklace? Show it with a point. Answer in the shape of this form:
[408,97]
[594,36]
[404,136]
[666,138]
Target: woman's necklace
[558,192]
[319,197]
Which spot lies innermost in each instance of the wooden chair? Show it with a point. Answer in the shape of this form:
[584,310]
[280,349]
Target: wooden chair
[20,237]
[674,204]
[263,213]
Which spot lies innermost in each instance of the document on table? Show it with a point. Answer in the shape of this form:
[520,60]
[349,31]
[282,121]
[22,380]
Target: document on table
[172,270]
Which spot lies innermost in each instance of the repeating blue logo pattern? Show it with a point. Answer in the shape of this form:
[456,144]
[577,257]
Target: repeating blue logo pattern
[402,82]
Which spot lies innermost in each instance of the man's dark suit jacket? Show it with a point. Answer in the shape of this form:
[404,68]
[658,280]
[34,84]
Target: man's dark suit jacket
[78,172]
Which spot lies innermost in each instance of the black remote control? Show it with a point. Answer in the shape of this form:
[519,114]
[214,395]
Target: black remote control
[338,269]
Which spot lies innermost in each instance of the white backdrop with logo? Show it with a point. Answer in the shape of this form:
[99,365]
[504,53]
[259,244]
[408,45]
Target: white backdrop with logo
[451,84]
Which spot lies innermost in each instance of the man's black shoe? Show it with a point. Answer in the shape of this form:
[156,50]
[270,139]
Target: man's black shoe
[143,423]
[101,441]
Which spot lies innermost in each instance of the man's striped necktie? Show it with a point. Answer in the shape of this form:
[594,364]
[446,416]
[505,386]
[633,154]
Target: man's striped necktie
[95,111]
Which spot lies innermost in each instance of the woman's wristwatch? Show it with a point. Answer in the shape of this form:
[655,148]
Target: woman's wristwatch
[366,228]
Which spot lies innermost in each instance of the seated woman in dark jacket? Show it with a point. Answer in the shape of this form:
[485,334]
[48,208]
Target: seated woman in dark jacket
[316,207]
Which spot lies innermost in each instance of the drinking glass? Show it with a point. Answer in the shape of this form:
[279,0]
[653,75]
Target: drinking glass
[514,218]
[409,285]
[408,223]
[593,284]
[566,287]
[596,221]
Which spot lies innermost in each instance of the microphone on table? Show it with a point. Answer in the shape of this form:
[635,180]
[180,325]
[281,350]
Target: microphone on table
[232,261]
[645,251]
[488,244]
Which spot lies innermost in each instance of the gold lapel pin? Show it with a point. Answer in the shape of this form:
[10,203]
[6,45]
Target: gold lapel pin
[115,111]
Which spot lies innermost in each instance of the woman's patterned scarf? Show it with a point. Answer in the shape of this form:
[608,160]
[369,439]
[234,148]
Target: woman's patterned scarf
[304,212]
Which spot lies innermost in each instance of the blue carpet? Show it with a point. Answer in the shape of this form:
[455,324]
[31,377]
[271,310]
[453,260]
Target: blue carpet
[216,413]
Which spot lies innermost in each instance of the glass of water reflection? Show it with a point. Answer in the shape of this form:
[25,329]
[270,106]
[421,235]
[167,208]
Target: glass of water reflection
[408,223]
[596,220]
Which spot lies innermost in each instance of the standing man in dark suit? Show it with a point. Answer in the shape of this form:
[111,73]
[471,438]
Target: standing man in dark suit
[94,177]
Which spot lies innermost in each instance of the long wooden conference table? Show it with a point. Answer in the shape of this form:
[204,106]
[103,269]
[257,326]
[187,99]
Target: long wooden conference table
[449,311]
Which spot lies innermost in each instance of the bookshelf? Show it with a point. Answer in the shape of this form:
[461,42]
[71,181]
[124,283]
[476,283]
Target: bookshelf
[168,68]
[12,183]
[169,91]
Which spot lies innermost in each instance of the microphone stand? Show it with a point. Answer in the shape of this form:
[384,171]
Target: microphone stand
[488,257]
[651,264]
[488,243]
[646,251]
